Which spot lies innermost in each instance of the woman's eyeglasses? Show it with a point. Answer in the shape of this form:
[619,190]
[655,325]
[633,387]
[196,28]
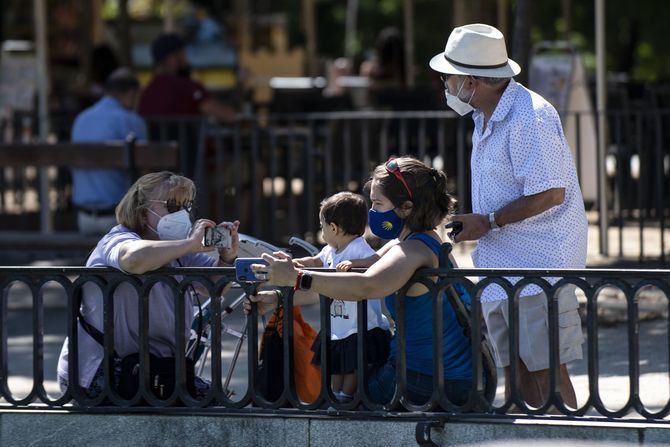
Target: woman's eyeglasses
[172,206]
[393,168]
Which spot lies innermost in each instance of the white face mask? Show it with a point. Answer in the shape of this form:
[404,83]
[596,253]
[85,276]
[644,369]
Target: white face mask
[457,104]
[173,226]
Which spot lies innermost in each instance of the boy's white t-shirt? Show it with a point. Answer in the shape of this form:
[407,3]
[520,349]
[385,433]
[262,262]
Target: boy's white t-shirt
[343,314]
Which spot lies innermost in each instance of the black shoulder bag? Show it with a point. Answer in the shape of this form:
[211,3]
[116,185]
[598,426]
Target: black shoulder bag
[161,369]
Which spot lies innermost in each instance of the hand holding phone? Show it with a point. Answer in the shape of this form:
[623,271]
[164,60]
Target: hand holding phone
[456,227]
[218,237]
[243,270]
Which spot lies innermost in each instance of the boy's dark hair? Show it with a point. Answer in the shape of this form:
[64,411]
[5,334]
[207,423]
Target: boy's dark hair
[431,201]
[346,210]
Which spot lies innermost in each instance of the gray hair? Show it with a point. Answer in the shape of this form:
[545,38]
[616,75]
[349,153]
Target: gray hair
[493,82]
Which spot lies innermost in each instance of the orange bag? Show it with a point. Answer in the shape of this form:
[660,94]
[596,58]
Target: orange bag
[307,375]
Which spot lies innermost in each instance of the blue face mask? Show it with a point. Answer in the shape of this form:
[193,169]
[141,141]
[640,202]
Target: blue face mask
[385,224]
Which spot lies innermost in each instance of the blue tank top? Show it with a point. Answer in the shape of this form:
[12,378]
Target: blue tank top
[419,324]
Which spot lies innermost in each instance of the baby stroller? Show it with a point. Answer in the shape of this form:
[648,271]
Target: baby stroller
[249,247]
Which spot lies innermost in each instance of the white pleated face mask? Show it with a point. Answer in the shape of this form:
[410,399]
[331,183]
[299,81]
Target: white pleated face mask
[457,104]
[174,226]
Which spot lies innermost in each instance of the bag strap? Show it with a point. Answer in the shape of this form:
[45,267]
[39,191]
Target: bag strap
[89,328]
[463,318]
[462,313]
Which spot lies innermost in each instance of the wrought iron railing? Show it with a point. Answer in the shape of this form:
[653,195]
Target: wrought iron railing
[481,400]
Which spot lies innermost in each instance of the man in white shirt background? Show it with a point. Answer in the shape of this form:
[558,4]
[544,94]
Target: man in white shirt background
[527,207]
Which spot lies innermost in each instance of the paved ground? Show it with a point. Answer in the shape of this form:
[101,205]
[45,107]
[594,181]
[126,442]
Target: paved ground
[654,383]
[612,339]
[623,243]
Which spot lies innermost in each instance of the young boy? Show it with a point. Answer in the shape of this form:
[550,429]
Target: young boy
[343,218]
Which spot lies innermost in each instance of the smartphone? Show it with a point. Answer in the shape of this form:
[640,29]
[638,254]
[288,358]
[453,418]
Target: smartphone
[243,270]
[218,237]
[456,227]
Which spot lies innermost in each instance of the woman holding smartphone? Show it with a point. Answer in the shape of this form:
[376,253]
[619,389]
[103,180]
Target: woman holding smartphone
[154,231]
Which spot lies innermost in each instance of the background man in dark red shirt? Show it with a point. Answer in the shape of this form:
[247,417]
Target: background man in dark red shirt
[171,91]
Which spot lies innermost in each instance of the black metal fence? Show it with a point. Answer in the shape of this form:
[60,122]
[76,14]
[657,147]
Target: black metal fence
[591,282]
[271,172]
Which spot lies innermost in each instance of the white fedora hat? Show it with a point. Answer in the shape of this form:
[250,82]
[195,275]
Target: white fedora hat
[477,50]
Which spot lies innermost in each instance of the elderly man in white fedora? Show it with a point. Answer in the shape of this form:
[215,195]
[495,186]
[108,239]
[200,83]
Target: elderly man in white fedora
[527,207]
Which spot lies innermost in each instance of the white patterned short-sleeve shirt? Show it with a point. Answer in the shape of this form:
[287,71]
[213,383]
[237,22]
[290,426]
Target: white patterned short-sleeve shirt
[523,152]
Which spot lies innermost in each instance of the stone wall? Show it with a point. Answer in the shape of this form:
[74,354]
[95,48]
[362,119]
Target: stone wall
[48,428]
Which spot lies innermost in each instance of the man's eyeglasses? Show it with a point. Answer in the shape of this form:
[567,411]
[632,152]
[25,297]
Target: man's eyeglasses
[172,206]
[444,78]
[393,168]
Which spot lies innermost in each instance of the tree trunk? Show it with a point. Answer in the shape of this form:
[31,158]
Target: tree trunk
[124,34]
[3,11]
[86,31]
[243,25]
[309,25]
[566,6]
[521,38]
[460,14]
[408,34]
[350,29]
[169,20]
[501,15]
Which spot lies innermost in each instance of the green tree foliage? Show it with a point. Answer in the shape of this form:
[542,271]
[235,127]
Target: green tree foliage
[636,34]
[432,26]
[636,31]
[636,42]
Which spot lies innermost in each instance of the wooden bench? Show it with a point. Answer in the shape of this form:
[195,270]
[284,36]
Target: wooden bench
[136,158]
[120,155]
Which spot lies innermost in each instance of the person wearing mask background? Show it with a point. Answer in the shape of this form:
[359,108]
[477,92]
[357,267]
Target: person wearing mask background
[96,192]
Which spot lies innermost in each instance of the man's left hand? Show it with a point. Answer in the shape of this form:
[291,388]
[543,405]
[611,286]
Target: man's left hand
[474,226]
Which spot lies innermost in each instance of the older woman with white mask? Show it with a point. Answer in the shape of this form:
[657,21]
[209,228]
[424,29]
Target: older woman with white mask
[154,231]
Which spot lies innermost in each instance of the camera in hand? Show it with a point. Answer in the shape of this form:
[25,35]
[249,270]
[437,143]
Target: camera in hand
[218,237]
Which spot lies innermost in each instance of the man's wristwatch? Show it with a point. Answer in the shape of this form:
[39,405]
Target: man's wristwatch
[303,281]
[492,221]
